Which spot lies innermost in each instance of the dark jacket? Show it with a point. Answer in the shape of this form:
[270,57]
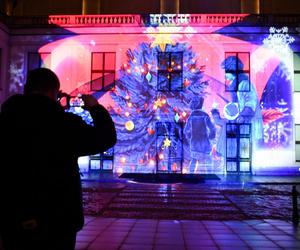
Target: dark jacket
[39,176]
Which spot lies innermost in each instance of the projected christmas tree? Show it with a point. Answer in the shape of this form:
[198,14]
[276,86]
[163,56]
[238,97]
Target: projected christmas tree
[156,85]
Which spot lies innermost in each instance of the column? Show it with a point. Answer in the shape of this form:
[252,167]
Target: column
[91,7]
[250,6]
[169,6]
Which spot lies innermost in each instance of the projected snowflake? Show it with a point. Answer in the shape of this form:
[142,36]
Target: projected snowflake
[279,40]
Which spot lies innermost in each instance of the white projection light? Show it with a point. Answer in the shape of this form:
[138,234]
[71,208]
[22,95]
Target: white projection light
[279,40]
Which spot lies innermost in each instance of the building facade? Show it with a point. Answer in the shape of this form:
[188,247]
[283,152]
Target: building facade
[153,72]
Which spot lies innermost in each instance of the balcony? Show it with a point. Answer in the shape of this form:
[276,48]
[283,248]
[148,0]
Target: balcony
[153,19]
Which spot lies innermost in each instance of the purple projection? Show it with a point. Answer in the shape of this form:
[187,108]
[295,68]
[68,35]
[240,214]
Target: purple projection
[186,98]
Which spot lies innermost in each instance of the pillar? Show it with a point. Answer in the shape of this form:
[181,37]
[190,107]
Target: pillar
[169,6]
[250,6]
[91,7]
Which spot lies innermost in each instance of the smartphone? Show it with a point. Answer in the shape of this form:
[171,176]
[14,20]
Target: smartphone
[76,101]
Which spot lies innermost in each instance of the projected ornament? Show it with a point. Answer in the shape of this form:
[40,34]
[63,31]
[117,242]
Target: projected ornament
[278,40]
[129,125]
[166,143]
[148,77]
[177,117]
[150,131]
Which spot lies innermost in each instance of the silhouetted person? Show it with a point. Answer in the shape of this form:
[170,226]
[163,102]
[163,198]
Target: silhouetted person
[199,130]
[40,186]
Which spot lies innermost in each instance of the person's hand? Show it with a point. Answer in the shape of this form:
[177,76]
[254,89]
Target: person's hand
[89,101]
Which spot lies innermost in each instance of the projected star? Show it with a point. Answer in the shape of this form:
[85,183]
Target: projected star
[163,36]
[167,143]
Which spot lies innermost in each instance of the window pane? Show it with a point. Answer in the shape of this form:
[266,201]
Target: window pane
[297,82]
[297,132]
[231,86]
[230,62]
[245,148]
[163,61]
[109,81]
[109,61]
[231,147]
[231,166]
[296,107]
[297,61]
[96,83]
[244,58]
[245,166]
[244,83]
[97,61]
[176,61]
[107,165]
[94,164]
[176,81]
[297,149]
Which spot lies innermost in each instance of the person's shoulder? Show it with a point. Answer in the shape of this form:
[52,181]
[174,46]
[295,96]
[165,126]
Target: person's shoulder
[11,102]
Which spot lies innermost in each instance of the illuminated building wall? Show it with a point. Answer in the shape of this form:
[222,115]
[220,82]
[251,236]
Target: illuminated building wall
[151,72]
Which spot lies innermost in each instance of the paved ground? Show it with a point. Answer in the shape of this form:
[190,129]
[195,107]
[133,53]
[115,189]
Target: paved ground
[212,200]
[141,234]
[236,212]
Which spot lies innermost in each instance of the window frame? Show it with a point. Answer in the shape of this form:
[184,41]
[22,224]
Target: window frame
[169,72]
[238,72]
[103,72]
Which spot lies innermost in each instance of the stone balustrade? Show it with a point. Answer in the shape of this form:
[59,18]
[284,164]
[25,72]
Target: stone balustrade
[157,19]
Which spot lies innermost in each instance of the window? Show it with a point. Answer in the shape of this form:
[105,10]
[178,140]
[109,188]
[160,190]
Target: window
[237,69]
[102,161]
[169,73]
[296,103]
[297,71]
[297,142]
[103,71]
[38,60]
